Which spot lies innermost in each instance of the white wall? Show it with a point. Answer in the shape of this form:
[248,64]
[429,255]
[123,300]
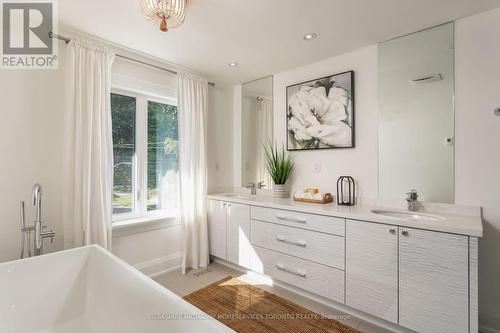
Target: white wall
[31,137]
[151,251]
[220,138]
[477,145]
[322,168]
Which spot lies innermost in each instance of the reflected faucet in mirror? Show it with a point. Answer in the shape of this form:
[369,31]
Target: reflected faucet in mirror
[253,189]
[412,200]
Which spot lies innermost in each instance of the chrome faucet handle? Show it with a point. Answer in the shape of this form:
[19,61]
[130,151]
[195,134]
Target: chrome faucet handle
[49,234]
[250,185]
[261,184]
[412,195]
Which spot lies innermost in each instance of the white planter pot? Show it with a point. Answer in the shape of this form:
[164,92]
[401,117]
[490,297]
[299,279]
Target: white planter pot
[280,191]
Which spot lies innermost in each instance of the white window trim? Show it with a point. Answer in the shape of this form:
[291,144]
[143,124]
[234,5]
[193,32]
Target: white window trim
[133,226]
[140,213]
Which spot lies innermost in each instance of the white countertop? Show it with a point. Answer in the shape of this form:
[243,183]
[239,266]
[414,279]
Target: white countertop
[469,223]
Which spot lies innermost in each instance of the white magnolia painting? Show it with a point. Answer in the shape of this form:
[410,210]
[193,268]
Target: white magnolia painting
[320,113]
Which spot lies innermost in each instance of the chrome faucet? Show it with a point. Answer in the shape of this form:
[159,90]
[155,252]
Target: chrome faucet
[252,188]
[412,200]
[39,233]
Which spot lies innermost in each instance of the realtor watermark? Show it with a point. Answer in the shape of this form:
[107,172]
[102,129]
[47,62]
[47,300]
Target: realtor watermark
[249,316]
[26,43]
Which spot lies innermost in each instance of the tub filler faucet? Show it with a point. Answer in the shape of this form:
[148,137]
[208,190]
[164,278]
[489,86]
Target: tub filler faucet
[37,228]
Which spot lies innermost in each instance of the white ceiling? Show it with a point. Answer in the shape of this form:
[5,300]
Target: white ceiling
[263,36]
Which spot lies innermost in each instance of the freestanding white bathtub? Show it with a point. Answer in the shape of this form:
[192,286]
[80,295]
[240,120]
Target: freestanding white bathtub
[90,290]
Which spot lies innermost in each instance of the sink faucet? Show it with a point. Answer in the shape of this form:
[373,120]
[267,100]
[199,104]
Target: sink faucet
[412,200]
[252,188]
[39,233]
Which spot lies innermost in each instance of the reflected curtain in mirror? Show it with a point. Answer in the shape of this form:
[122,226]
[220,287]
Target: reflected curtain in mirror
[256,130]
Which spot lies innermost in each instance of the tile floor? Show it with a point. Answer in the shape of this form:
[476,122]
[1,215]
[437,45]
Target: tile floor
[194,280]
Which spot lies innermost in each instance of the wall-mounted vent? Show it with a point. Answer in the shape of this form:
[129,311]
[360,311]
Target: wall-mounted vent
[426,79]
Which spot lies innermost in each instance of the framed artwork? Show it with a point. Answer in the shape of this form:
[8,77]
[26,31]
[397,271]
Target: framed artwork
[320,113]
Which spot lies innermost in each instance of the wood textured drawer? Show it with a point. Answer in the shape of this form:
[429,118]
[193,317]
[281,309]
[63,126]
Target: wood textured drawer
[318,279]
[319,247]
[328,224]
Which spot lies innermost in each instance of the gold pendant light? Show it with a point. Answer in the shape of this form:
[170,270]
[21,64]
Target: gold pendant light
[167,14]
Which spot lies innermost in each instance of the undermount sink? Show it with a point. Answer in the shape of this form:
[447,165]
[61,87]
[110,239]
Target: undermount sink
[413,216]
[240,196]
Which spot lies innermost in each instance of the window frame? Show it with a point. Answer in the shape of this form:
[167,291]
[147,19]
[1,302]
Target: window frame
[140,211]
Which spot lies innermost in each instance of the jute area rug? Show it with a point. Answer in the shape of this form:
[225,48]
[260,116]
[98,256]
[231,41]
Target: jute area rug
[248,309]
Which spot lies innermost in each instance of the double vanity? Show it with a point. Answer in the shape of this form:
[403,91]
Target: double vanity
[416,270]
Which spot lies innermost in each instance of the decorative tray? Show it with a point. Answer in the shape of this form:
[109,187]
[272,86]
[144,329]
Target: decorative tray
[326,198]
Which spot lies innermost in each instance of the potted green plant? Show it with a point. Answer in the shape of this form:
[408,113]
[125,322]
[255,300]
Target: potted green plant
[280,167]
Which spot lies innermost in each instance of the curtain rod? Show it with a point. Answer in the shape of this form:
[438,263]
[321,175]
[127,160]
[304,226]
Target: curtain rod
[67,40]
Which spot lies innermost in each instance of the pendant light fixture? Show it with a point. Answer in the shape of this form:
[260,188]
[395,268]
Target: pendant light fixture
[167,14]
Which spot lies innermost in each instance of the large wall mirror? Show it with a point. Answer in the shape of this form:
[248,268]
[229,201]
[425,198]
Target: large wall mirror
[256,130]
[416,116]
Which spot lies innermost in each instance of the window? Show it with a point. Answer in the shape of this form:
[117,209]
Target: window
[163,162]
[145,151]
[123,114]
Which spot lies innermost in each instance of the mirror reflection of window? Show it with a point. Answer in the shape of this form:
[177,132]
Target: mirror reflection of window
[257,130]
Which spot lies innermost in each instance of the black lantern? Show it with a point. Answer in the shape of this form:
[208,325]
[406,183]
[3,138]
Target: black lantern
[346,191]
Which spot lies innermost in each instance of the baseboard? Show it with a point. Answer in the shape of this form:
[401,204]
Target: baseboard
[488,323]
[161,265]
[332,304]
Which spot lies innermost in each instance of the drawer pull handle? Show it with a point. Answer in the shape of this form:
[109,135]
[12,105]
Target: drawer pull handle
[290,218]
[290,270]
[297,242]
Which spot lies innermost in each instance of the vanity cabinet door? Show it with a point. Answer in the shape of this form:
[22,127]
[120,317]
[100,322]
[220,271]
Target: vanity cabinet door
[372,268]
[238,234]
[433,281]
[217,228]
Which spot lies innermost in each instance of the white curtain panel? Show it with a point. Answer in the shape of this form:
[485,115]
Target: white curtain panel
[192,105]
[265,133]
[88,160]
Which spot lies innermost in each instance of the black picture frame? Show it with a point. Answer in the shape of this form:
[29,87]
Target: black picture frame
[318,145]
